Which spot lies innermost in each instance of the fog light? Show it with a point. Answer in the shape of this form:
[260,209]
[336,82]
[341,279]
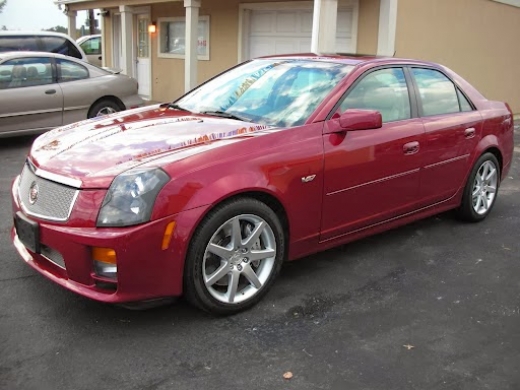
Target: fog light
[105,262]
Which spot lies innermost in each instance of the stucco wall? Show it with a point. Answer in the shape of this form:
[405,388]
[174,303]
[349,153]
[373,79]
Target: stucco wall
[168,74]
[107,40]
[479,39]
[368,26]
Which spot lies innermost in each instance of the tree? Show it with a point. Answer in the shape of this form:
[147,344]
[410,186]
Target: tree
[4,28]
[59,29]
[2,5]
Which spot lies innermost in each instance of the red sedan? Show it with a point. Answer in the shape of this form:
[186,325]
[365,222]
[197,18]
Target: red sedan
[273,160]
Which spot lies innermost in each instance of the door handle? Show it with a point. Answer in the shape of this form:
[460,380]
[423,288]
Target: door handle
[411,148]
[469,133]
[50,92]
[100,58]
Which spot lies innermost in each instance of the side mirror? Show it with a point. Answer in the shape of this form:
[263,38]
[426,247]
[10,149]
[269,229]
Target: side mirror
[352,120]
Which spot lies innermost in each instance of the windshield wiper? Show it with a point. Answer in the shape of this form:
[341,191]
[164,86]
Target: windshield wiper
[227,115]
[176,107]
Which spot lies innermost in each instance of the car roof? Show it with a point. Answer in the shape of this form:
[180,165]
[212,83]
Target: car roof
[18,54]
[85,37]
[349,59]
[28,32]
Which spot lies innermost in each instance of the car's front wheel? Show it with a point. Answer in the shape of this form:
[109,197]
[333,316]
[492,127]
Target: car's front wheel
[481,189]
[234,257]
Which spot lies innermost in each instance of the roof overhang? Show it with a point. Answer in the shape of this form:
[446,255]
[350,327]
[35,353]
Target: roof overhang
[70,1]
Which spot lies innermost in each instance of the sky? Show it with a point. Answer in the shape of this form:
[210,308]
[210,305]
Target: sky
[35,15]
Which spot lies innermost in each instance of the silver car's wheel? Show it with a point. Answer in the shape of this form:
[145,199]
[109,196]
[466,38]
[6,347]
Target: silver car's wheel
[484,187]
[104,107]
[105,111]
[234,256]
[239,258]
[481,190]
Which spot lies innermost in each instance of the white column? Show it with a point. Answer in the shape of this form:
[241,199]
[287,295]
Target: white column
[127,30]
[71,24]
[324,26]
[387,27]
[192,36]
[104,38]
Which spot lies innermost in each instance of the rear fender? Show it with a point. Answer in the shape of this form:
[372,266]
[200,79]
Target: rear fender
[486,143]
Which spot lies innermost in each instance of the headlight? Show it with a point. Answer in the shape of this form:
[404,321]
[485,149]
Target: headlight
[130,198]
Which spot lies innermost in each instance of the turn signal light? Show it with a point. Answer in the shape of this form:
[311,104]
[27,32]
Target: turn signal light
[168,233]
[105,262]
[106,255]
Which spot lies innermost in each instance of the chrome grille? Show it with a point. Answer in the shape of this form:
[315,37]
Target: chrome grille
[53,200]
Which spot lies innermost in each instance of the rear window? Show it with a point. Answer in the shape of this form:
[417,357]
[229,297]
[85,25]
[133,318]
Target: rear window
[18,43]
[61,46]
[70,71]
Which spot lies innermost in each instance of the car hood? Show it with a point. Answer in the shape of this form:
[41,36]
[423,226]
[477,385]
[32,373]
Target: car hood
[94,151]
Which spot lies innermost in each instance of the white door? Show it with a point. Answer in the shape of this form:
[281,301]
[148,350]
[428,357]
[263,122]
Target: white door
[290,31]
[117,39]
[143,63]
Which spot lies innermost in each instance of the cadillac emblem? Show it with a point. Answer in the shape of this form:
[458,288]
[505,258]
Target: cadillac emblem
[33,192]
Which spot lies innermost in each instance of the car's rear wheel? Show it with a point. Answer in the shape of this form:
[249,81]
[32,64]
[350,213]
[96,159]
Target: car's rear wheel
[481,189]
[234,257]
[104,107]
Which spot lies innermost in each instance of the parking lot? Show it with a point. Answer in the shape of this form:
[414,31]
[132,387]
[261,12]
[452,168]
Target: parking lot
[433,305]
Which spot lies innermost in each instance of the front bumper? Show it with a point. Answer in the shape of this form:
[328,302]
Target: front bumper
[144,269]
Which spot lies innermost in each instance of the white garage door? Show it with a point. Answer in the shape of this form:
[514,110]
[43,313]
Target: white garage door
[290,31]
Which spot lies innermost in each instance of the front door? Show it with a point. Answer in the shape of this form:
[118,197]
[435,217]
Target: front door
[31,98]
[143,63]
[372,175]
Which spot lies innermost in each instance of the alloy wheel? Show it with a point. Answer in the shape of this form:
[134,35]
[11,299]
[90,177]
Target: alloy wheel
[105,111]
[484,187]
[239,259]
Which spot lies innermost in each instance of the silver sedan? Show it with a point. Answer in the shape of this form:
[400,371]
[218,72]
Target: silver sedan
[41,91]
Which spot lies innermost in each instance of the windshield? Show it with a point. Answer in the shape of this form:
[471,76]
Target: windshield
[280,93]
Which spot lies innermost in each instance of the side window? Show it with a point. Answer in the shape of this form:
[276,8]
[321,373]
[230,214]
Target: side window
[55,45]
[61,46]
[25,72]
[383,90]
[438,94]
[73,51]
[92,46]
[71,71]
[464,103]
[18,43]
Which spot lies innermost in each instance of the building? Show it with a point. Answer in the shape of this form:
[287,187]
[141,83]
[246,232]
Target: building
[172,45]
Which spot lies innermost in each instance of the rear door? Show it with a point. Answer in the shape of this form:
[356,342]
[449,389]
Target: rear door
[373,175]
[92,48]
[31,98]
[79,90]
[452,129]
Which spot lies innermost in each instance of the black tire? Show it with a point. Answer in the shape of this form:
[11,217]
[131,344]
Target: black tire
[103,105]
[466,211]
[195,288]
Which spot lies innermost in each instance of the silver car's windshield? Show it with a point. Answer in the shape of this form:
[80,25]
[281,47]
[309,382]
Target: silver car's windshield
[279,93]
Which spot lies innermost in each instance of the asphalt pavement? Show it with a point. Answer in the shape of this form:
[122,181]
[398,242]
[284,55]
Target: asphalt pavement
[433,305]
